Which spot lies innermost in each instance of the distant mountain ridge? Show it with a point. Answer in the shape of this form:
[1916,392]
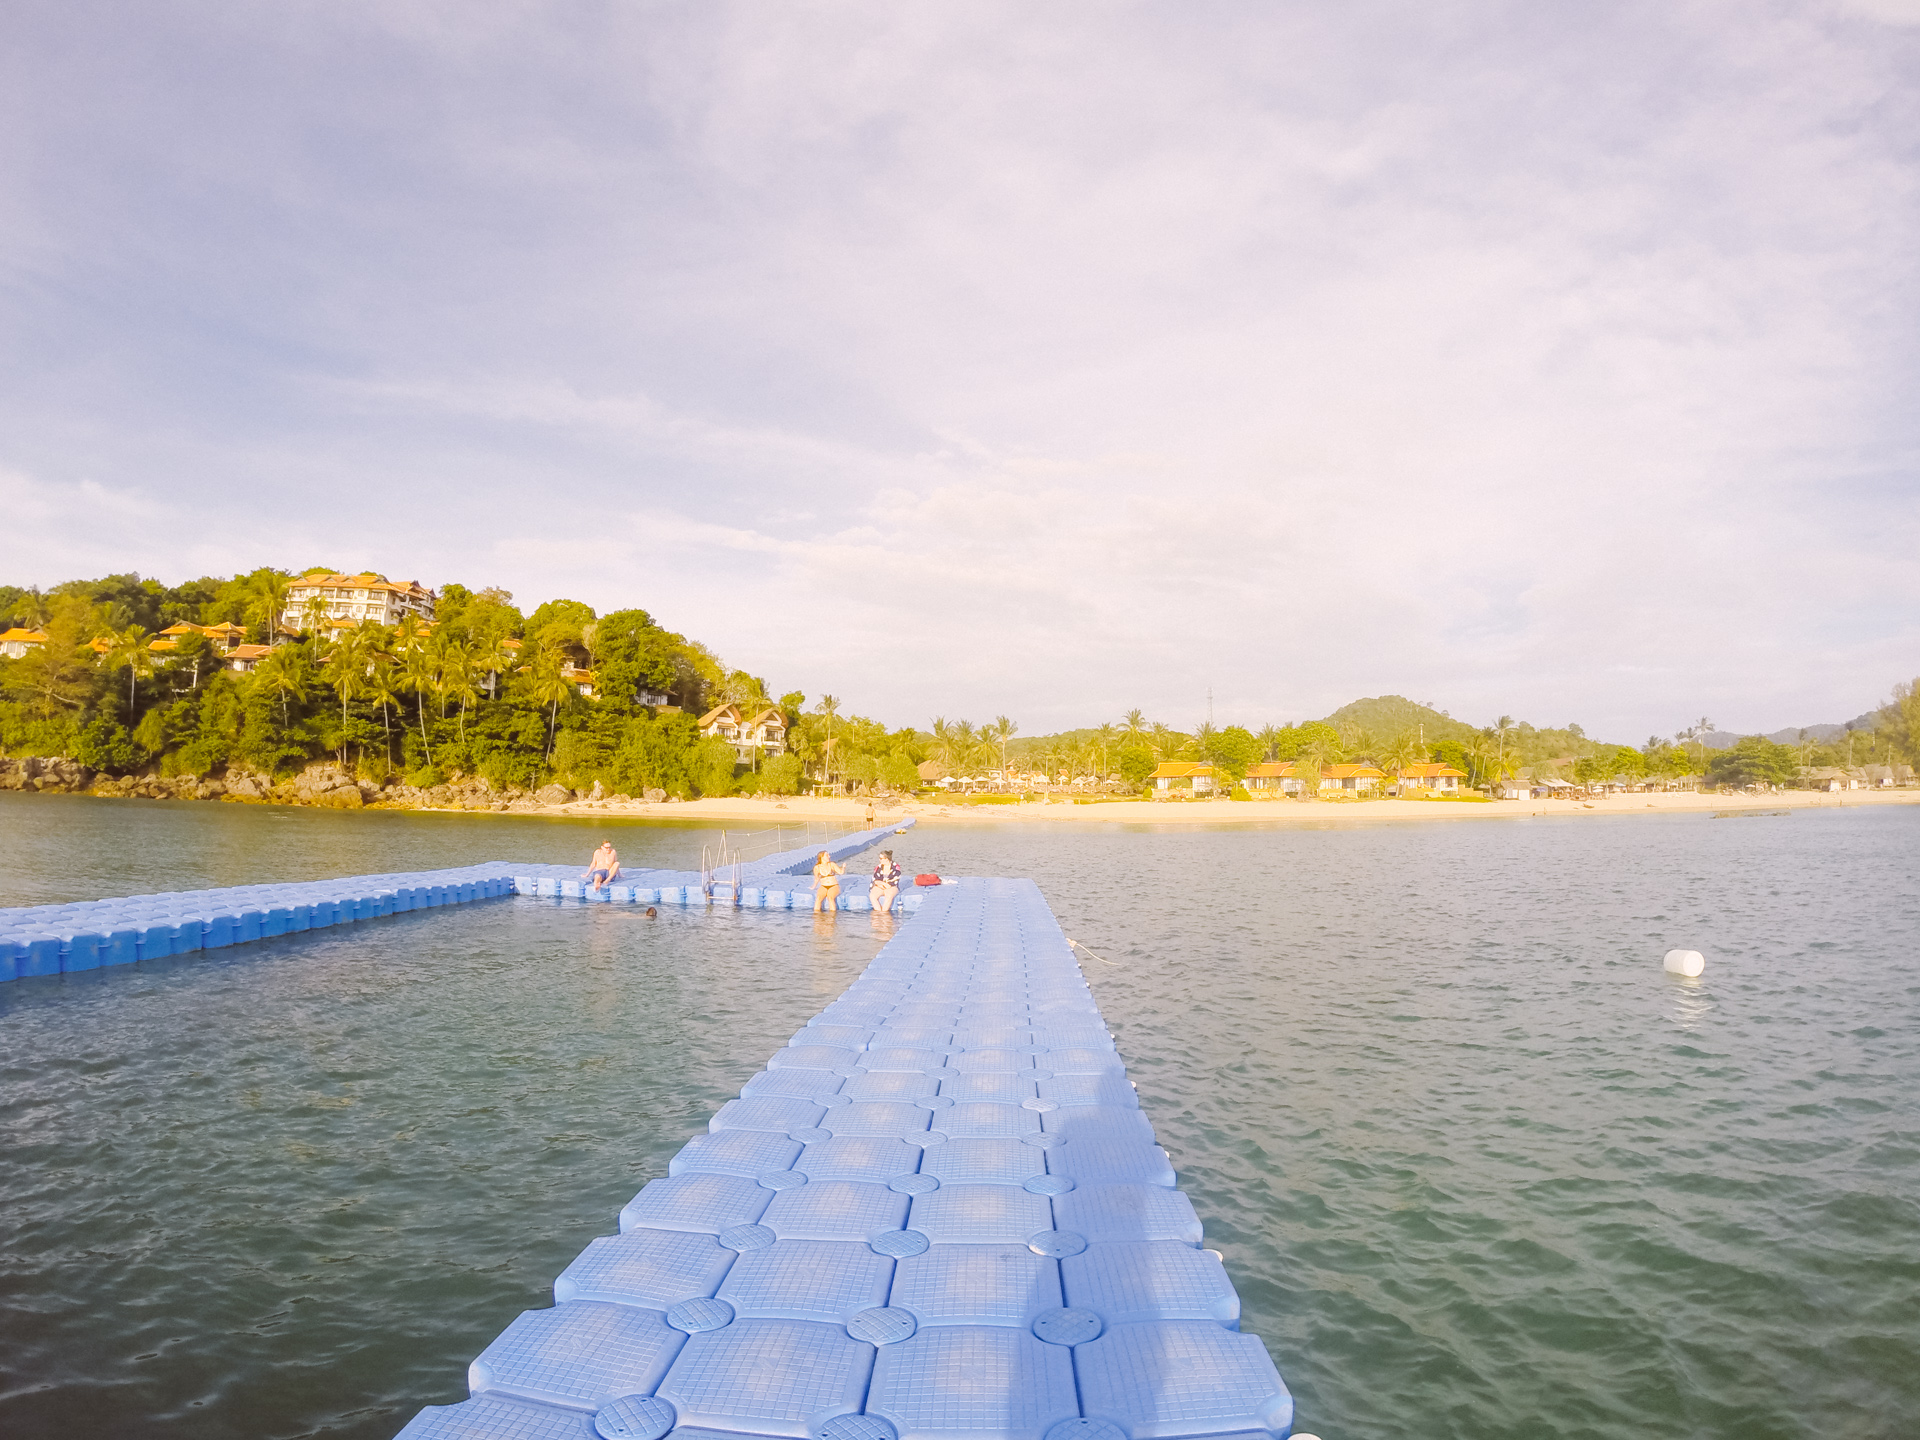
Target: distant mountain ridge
[1725,739]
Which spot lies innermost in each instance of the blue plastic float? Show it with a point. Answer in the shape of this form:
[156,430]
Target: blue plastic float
[937,1214]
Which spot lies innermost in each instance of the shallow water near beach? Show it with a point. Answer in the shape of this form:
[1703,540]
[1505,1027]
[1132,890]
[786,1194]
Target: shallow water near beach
[1478,1167]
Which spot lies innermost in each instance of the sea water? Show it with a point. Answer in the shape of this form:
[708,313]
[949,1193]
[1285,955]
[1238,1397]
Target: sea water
[1478,1166]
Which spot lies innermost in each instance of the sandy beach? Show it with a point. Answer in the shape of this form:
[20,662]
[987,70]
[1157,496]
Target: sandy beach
[757,813]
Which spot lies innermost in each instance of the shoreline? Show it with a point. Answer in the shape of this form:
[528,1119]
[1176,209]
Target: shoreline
[1220,813]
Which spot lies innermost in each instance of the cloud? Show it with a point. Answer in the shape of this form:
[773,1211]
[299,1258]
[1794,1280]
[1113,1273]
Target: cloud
[1546,362]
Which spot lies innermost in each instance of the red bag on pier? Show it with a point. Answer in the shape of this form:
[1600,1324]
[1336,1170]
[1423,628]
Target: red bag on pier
[926,879]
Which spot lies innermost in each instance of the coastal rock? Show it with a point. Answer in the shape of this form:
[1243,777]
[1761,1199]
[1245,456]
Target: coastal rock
[245,785]
[346,797]
[654,797]
[553,795]
[597,793]
[316,782]
[45,772]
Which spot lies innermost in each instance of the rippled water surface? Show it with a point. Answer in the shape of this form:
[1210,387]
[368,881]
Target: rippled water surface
[1479,1169]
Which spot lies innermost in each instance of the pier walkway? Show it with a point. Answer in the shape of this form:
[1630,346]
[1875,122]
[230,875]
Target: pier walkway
[40,940]
[937,1214]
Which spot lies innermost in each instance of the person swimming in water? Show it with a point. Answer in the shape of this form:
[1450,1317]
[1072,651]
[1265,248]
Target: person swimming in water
[604,868]
[826,883]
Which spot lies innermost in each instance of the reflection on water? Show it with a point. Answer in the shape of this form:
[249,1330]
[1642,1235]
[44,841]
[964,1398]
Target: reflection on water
[1478,1166]
[1691,1001]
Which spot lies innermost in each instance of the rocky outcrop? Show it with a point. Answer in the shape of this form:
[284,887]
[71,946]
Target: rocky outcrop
[38,772]
[325,784]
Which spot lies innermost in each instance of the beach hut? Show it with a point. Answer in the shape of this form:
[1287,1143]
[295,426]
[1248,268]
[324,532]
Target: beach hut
[1351,777]
[1271,779]
[1436,779]
[1173,778]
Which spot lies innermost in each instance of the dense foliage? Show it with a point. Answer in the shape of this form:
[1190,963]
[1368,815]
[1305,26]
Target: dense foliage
[570,695]
[562,694]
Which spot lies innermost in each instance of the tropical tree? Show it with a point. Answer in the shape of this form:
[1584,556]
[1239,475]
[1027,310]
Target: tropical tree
[346,671]
[267,599]
[550,687]
[285,674]
[829,708]
[1001,732]
[315,614]
[1402,753]
[1134,728]
[1104,739]
[1164,740]
[128,650]
[460,663]
[1269,738]
[420,673]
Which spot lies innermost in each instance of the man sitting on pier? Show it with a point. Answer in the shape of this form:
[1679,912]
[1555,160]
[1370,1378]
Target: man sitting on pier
[604,868]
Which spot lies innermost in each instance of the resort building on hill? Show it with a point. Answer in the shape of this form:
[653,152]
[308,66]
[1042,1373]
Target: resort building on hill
[244,657]
[764,734]
[349,600]
[223,637]
[15,643]
[1442,779]
[1182,777]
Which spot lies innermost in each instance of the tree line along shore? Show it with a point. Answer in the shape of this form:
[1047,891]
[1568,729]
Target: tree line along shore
[233,688]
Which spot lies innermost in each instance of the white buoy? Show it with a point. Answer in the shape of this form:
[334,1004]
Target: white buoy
[1685,962]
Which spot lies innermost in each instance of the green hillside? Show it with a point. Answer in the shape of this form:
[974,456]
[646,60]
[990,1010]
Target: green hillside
[1385,715]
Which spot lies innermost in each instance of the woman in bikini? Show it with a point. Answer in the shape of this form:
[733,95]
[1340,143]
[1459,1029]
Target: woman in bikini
[826,883]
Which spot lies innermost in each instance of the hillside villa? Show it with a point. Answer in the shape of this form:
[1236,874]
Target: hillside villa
[15,643]
[348,600]
[765,734]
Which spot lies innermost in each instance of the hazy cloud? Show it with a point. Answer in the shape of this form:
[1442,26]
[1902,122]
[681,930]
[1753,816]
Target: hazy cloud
[1553,360]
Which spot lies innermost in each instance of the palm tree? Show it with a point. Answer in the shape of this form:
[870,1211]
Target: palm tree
[267,592]
[460,662]
[1103,739]
[420,673]
[284,673]
[129,648]
[382,691]
[1165,740]
[1269,742]
[550,688]
[315,614]
[1003,731]
[1403,752]
[829,706]
[1134,728]
[346,671]
[32,610]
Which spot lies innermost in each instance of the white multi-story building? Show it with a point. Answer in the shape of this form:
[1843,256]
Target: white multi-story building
[354,600]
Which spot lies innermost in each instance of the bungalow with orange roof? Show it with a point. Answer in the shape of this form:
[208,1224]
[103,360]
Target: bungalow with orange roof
[1271,779]
[244,657]
[351,600]
[1173,778]
[764,733]
[1350,777]
[1436,779]
[15,643]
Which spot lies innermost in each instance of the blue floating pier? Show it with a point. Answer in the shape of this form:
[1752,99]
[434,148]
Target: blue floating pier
[41,940]
[937,1214]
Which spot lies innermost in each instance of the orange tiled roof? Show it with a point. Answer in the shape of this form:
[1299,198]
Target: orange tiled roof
[1351,772]
[1432,772]
[18,636]
[1270,770]
[1179,770]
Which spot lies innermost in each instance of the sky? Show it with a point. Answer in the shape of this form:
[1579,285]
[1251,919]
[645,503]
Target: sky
[1547,359]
